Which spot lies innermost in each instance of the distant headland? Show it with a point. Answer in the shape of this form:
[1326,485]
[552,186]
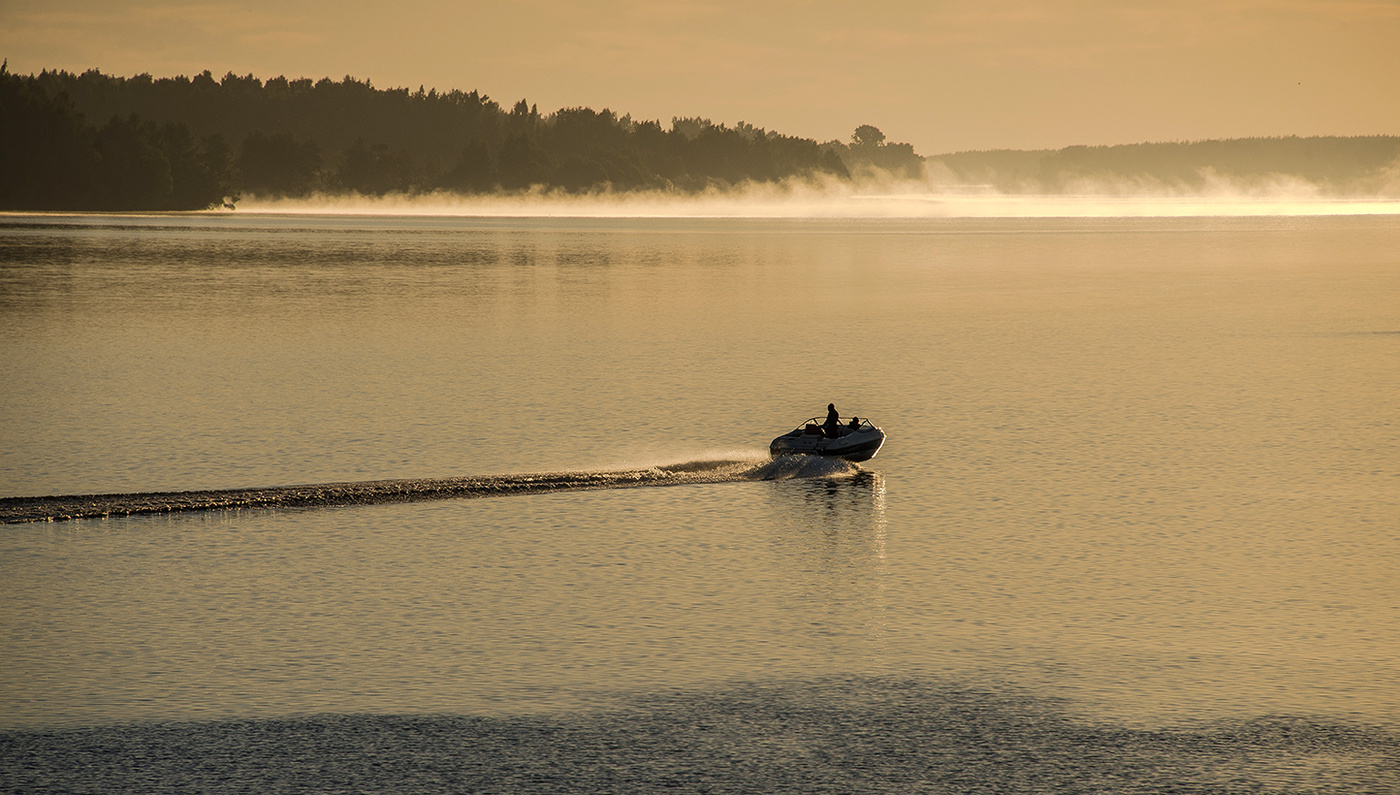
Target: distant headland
[96,142]
[1325,165]
[92,141]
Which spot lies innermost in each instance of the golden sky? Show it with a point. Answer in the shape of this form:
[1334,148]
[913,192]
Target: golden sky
[945,75]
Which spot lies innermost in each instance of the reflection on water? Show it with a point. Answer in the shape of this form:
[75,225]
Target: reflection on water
[829,534]
[858,498]
[839,522]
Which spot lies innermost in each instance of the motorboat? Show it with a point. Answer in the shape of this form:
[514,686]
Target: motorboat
[856,440]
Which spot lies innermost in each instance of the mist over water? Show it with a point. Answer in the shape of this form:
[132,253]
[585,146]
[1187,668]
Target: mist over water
[1133,528]
[888,198]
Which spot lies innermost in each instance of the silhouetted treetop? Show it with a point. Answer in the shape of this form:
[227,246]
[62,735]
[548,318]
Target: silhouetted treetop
[867,136]
[869,155]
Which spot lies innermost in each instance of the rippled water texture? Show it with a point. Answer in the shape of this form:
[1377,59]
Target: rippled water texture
[1135,527]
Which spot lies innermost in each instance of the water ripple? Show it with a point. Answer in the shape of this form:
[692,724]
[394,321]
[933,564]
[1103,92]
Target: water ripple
[867,735]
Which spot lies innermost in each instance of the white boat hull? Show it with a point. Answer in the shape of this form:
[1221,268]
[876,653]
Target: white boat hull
[853,445]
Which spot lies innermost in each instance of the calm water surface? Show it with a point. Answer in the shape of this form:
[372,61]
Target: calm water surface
[1142,475]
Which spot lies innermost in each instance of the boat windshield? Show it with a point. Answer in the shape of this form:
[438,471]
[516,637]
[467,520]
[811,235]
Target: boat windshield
[847,424]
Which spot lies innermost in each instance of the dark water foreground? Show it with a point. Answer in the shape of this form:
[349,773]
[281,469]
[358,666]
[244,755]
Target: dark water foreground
[836,736]
[371,492]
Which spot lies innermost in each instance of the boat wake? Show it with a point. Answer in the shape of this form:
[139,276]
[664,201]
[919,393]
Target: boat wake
[787,467]
[373,492]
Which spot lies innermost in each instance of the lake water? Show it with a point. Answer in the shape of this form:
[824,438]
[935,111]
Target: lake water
[1136,525]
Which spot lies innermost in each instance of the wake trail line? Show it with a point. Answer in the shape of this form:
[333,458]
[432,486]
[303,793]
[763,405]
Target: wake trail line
[373,492]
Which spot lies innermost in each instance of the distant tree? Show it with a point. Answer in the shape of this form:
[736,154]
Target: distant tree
[133,173]
[220,179]
[201,173]
[147,166]
[578,173]
[583,132]
[472,173]
[521,163]
[373,170]
[867,136]
[278,165]
[832,163]
[718,153]
[690,126]
[47,158]
[523,119]
[870,154]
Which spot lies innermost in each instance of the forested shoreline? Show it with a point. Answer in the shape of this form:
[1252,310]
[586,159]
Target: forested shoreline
[1331,165]
[92,141]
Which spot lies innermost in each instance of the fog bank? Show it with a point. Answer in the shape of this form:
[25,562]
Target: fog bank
[929,198]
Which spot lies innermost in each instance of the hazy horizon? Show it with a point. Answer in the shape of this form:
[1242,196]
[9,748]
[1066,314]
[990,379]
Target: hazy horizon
[963,76]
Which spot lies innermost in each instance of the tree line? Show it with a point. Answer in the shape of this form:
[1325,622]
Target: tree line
[51,158]
[1334,164]
[197,142]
